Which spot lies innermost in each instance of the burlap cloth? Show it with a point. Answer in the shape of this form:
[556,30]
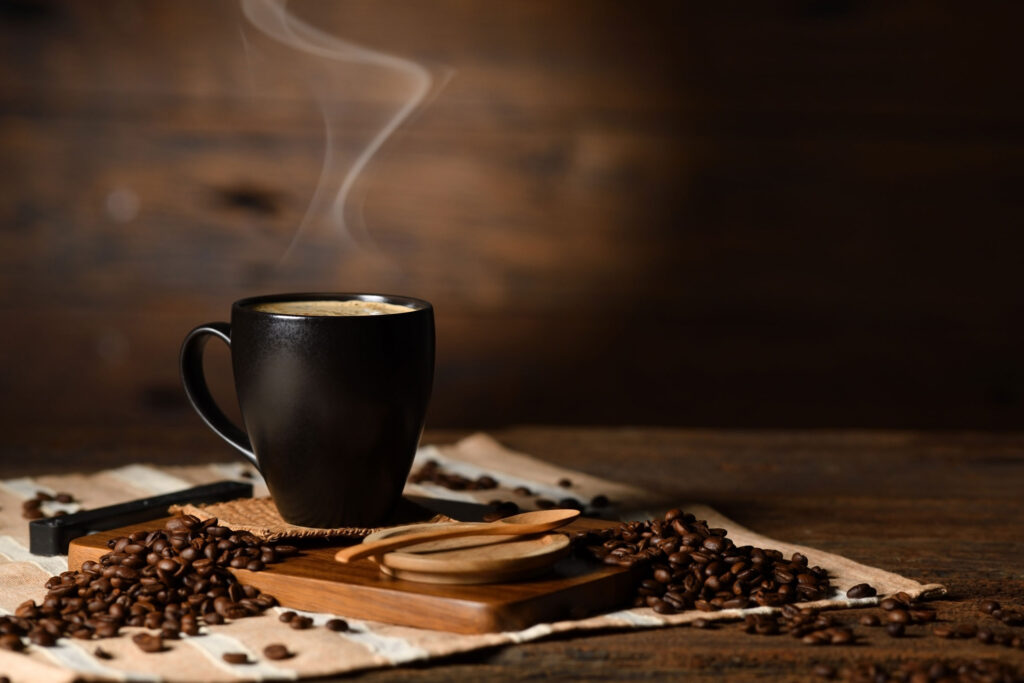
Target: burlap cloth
[260,517]
[368,645]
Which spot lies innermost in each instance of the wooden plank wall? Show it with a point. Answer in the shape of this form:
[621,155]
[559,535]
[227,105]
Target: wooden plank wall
[688,213]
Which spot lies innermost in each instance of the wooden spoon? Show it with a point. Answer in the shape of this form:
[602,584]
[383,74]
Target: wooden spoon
[523,524]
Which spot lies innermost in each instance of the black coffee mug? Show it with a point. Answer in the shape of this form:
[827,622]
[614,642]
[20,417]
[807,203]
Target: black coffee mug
[333,405]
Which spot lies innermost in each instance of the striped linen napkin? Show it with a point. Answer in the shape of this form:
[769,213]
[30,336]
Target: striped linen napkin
[367,645]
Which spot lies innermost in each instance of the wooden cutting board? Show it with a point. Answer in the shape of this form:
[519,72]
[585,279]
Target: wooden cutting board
[314,581]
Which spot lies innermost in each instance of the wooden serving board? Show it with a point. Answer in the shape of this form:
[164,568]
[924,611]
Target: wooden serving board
[314,581]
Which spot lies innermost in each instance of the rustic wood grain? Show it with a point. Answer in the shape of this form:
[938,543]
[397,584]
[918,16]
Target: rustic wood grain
[938,507]
[799,214]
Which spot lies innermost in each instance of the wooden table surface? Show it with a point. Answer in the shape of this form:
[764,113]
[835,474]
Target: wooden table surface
[934,507]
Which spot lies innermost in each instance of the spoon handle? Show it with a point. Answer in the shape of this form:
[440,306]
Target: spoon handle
[386,545]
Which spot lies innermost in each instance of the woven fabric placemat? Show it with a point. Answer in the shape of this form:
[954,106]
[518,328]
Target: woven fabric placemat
[367,645]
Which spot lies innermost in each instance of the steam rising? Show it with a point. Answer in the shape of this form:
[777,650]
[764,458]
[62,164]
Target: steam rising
[273,19]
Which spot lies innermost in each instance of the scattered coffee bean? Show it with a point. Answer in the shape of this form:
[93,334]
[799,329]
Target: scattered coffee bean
[870,620]
[565,483]
[276,651]
[43,496]
[985,636]
[337,625]
[980,670]
[432,472]
[1011,617]
[943,631]
[599,501]
[899,616]
[571,503]
[235,657]
[148,643]
[100,653]
[286,617]
[10,641]
[64,498]
[545,503]
[523,491]
[301,623]
[989,606]
[895,629]
[502,509]
[861,590]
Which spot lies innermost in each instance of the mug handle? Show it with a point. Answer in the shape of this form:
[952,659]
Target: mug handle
[199,394]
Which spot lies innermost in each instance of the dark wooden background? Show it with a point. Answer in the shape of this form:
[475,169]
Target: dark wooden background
[784,214]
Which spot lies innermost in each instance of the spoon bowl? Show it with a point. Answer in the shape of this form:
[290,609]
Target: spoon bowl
[523,524]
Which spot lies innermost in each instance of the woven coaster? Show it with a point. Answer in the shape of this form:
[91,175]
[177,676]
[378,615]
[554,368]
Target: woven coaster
[259,516]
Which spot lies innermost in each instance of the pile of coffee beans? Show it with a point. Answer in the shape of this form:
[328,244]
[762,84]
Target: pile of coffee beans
[980,670]
[171,580]
[32,508]
[684,564]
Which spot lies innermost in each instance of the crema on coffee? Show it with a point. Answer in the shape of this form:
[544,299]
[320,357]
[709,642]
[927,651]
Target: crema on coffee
[331,308]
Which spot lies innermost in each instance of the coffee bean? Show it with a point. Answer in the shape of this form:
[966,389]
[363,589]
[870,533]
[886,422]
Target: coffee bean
[565,483]
[570,503]
[42,638]
[870,620]
[861,590]
[11,641]
[890,604]
[337,625]
[235,657]
[523,491]
[43,496]
[148,643]
[985,636]
[100,653]
[276,651]
[1011,617]
[486,482]
[989,606]
[301,623]
[943,631]
[599,501]
[841,636]
[895,629]
[922,615]
[900,616]
[544,503]
[815,638]
[64,498]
